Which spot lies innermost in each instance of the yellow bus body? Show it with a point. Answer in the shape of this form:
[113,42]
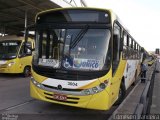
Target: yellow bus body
[17,67]
[18,64]
[100,101]
[151,62]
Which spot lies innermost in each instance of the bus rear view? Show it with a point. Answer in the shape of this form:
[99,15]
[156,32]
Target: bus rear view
[72,58]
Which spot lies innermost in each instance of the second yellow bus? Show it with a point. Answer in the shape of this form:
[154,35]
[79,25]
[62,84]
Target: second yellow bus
[14,57]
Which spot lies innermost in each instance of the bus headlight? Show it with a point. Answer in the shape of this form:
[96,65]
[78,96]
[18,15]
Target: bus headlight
[96,89]
[102,86]
[10,64]
[87,92]
[39,85]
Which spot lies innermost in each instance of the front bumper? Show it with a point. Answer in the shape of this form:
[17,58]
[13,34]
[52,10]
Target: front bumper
[99,101]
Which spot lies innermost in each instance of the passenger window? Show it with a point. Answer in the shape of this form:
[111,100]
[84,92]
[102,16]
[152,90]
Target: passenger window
[129,48]
[135,49]
[130,43]
[125,48]
[132,49]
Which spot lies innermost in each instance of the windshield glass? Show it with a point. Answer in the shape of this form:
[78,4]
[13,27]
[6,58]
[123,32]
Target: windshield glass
[74,49]
[9,49]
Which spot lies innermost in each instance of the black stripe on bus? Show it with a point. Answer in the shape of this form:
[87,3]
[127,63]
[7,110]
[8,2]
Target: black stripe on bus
[65,89]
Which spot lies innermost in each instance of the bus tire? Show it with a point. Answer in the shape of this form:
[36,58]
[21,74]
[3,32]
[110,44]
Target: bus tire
[121,95]
[27,71]
[135,78]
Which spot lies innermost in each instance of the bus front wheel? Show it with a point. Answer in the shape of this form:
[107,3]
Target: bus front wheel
[27,71]
[121,95]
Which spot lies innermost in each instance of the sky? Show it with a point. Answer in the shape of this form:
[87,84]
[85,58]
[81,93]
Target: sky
[140,17]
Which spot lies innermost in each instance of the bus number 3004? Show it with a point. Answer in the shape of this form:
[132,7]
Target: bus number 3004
[72,84]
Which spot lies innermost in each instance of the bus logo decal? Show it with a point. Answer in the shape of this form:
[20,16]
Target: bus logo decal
[86,64]
[59,87]
[67,63]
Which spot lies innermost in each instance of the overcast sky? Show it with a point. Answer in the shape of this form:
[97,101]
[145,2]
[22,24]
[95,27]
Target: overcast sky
[141,17]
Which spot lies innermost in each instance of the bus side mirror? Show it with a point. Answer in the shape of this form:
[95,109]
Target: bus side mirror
[26,45]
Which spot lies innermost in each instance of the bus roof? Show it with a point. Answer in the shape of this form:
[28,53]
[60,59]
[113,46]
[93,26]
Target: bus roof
[113,15]
[73,8]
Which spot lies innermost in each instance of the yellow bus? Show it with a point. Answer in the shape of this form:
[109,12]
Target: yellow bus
[13,56]
[83,57]
[151,59]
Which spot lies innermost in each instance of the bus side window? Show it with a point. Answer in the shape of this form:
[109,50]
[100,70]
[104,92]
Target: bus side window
[116,47]
[135,51]
[130,49]
[125,51]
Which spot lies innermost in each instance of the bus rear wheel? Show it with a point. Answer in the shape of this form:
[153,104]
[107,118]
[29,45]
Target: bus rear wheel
[121,95]
[135,78]
[27,71]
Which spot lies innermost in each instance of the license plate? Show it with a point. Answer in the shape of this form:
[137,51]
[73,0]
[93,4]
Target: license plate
[60,97]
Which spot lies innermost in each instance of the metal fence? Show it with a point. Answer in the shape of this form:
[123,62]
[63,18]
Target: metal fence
[143,107]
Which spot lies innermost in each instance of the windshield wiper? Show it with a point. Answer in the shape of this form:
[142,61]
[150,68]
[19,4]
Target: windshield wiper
[79,37]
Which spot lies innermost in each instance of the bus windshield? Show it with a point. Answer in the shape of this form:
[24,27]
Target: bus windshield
[9,49]
[76,49]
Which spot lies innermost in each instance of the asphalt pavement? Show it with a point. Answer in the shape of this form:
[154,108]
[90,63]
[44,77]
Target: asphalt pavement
[155,107]
[16,104]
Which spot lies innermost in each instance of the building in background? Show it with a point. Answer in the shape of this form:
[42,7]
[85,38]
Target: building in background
[70,3]
[16,15]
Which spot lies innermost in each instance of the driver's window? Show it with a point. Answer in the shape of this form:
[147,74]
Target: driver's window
[26,52]
[116,46]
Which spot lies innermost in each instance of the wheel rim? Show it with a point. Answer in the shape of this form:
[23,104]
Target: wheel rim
[27,72]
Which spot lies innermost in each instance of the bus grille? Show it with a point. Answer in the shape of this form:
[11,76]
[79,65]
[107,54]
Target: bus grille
[50,97]
[3,66]
[66,89]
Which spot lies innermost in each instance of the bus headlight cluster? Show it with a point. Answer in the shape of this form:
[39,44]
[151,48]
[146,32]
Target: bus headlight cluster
[102,85]
[96,89]
[10,64]
[39,85]
[87,92]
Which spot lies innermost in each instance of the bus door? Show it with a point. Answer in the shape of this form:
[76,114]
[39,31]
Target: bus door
[116,71]
[25,56]
[131,63]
